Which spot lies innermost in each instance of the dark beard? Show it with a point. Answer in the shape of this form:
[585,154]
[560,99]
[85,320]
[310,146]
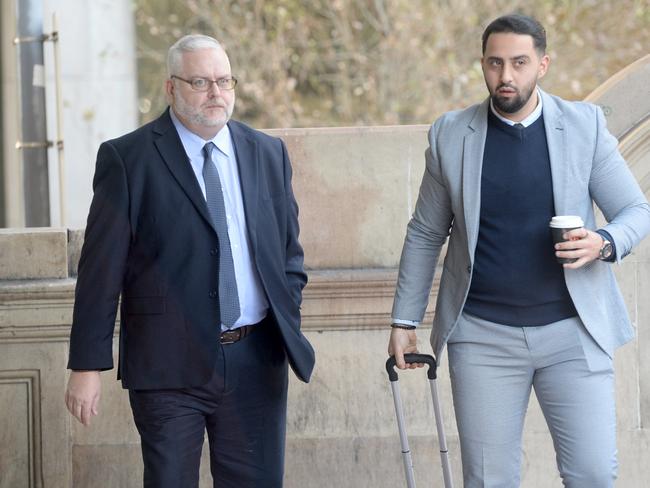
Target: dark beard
[511,105]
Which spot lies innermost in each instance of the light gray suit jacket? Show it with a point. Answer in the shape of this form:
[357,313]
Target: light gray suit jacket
[586,168]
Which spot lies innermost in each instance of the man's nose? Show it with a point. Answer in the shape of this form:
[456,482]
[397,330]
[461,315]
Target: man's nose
[213,89]
[506,74]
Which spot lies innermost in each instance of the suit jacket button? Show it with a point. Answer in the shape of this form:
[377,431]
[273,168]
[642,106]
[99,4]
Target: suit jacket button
[213,252]
[213,294]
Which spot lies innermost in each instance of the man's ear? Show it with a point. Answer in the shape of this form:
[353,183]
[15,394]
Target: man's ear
[169,90]
[543,66]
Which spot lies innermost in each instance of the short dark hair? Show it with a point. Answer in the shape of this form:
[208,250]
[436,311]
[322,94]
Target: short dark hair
[518,24]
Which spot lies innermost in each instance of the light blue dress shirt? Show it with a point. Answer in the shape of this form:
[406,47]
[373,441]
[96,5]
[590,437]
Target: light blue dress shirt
[252,299]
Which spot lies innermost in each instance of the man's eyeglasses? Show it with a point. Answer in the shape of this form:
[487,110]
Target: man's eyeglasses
[204,84]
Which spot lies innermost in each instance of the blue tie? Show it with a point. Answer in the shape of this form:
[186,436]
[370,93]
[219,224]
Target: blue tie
[228,297]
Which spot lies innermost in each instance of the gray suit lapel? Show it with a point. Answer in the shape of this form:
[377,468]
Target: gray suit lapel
[249,170]
[557,147]
[473,148]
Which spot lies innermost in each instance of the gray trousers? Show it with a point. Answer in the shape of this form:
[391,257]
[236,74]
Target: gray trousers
[493,368]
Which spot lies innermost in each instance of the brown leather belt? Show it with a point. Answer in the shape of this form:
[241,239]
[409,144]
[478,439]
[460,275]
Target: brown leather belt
[236,335]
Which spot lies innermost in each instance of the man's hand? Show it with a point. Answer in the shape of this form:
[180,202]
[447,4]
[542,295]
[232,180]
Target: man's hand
[403,341]
[582,244]
[82,395]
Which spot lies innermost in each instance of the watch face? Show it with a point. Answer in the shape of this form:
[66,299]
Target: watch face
[606,250]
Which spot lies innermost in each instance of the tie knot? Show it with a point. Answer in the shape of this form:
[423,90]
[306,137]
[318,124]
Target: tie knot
[207,150]
[518,126]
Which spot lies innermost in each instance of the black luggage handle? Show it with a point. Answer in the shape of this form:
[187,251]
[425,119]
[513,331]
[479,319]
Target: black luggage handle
[412,358]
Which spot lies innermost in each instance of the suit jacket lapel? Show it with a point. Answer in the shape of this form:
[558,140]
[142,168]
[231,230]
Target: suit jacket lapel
[556,141]
[473,147]
[171,149]
[249,175]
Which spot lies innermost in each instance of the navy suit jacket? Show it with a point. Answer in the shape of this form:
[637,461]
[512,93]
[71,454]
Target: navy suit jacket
[149,240]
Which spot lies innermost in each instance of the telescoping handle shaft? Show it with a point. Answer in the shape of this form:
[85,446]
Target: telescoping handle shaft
[406,452]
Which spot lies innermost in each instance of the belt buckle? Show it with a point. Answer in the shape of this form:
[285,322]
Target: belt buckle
[230,336]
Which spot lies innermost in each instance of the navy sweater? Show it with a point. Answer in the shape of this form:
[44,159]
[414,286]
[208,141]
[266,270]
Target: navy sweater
[517,280]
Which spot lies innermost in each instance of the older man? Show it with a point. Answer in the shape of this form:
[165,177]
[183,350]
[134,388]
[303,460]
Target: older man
[194,223]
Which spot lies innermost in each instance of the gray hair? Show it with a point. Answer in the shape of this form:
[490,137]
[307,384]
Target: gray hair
[192,42]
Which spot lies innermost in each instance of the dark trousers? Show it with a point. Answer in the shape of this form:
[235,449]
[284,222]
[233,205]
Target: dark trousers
[243,408]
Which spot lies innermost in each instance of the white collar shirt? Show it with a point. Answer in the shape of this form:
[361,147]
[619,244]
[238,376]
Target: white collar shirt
[252,299]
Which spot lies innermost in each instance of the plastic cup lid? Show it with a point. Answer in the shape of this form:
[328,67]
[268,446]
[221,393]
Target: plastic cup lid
[566,221]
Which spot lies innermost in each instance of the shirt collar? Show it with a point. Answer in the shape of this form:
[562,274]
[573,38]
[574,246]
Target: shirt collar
[193,143]
[534,115]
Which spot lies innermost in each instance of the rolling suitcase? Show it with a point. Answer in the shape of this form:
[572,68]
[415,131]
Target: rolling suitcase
[406,453]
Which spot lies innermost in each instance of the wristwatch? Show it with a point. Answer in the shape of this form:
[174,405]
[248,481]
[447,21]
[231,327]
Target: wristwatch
[605,250]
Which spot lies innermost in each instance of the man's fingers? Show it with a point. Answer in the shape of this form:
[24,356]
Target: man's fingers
[94,408]
[570,254]
[85,415]
[581,244]
[83,411]
[401,341]
[395,349]
[77,412]
[399,359]
[582,256]
[82,395]
[576,234]
[415,365]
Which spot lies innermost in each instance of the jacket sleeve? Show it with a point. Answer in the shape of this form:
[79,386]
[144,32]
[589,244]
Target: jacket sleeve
[617,193]
[426,233]
[101,265]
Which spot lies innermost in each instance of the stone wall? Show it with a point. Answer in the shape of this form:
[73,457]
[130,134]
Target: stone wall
[357,189]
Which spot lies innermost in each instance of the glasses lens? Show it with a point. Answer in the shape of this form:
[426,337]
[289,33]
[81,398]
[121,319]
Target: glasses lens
[226,83]
[200,84]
